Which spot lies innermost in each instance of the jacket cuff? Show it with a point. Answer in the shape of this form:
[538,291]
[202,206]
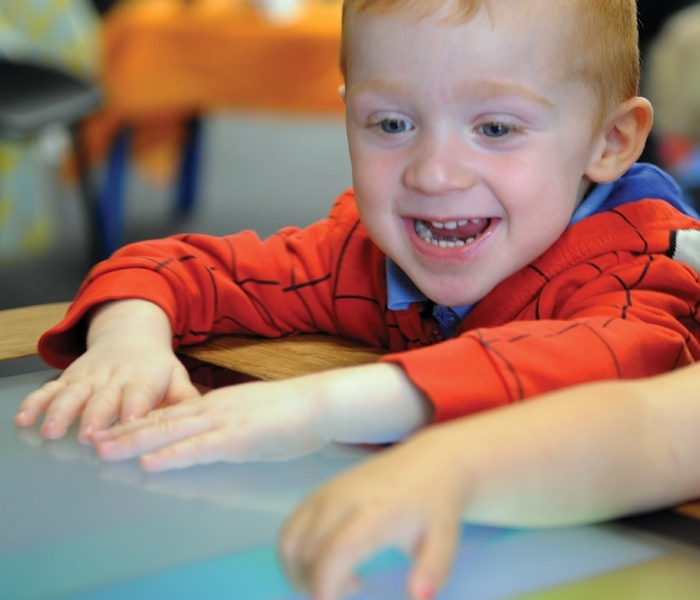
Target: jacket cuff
[65,342]
[458,379]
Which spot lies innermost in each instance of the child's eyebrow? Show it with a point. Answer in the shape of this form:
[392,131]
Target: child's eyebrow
[492,89]
[481,90]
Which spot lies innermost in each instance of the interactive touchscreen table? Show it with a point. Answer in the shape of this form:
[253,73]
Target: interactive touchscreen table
[73,527]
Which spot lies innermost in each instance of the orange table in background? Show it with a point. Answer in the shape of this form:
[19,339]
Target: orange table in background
[172,55]
[165,60]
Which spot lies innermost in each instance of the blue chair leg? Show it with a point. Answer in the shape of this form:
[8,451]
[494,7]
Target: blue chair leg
[189,166]
[110,206]
[89,195]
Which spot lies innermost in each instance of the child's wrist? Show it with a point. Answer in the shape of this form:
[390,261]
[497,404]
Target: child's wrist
[369,404]
[128,317]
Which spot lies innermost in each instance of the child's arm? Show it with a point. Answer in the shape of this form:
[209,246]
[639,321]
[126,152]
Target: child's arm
[575,456]
[129,367]
[274,420]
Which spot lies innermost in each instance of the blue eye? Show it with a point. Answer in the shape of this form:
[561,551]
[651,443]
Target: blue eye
[496,129]
[394,126]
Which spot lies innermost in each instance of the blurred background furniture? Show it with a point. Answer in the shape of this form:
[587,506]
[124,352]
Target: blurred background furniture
[103,6]
[168,63]
[50,50]
[34,97]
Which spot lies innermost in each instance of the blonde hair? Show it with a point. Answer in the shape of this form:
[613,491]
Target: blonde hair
[602,47]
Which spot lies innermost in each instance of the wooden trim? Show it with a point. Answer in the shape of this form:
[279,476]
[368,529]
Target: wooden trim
[21,328]
[272,359]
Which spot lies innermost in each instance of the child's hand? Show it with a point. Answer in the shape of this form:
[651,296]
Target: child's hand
[273,420]
[245,422]
[406,497]
[128,369]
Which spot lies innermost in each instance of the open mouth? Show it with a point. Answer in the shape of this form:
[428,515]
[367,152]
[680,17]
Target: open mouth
[451,234]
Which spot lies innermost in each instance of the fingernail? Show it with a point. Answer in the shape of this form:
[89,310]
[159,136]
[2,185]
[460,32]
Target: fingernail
[426,592]
[49,429]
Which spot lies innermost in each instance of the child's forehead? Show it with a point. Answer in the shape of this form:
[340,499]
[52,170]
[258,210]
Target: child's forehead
[542,21]
[532,26]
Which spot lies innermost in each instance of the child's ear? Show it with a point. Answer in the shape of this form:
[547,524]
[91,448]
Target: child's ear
[622,140]
[341,91]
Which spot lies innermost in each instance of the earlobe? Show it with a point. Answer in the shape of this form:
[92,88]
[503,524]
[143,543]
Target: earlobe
[622,141]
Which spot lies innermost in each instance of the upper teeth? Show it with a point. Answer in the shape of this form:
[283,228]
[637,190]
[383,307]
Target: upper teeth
[453,224]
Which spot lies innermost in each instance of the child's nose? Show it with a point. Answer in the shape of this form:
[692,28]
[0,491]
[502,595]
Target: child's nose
[439,166]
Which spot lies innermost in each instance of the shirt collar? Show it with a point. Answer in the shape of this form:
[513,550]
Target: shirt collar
[593,202]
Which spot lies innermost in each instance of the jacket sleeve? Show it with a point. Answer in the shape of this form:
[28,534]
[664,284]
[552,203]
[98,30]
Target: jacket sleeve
[212,285]
[618,319]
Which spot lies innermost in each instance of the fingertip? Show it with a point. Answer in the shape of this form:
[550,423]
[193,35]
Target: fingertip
[110,450]
[152,462]
[24,418]
[433,561]
[420,589]
[36,403]
[331,574]
[52,430]
[101,448]
[327,589]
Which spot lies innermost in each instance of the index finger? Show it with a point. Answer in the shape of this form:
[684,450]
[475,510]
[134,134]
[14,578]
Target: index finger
[37,402]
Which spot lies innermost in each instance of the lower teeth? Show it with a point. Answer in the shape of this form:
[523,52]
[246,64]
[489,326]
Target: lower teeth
[427,236]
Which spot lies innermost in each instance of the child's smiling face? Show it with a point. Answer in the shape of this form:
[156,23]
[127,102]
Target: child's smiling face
[469,145]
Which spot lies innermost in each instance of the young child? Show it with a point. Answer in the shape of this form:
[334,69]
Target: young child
[589,453]
[498,241]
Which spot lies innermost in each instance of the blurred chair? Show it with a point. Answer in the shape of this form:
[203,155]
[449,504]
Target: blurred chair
[33,97]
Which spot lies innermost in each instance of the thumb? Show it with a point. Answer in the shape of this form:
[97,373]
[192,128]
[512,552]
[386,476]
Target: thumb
[433,561]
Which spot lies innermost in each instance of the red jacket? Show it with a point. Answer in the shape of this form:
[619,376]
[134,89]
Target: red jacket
[606,301]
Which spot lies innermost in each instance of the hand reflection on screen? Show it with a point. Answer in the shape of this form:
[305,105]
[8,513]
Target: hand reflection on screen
[271,486]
